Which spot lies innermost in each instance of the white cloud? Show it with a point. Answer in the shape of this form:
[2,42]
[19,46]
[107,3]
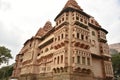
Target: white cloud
[4,5]
[20,19]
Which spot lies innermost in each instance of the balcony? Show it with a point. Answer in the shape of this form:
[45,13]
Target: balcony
[61,43]
[45,58]
[50,52]
[81,43]
[106,55]
[100,39]
[60,65]
[82,66]
[80,40]
[81,24]
[104,50]
[102,36]
[108,71]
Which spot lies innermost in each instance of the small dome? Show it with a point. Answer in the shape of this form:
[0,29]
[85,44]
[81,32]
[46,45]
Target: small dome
[72,4]
[47,26]
[40,32]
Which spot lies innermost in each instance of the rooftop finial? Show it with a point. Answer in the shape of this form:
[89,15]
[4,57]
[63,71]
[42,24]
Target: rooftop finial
[72,4]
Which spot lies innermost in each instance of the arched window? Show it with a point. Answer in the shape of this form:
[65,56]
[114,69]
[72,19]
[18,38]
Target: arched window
[93,43]
[78,35]
[62,19]
[78,59]
[93,33]
[82,37]
[38,54]
[61,36]
[77,18]
[54,60]
[30,44]
[46,49]
[58,60]
[59,21]
[73,35]
[81,20]
[86,38]
[66,35]
[88,61]
[61,58]
[56,23]
[58,38]
[92,21]
[83,60]
[73,59]
[67,14]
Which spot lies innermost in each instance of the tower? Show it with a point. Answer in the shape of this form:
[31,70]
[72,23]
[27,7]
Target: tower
[74,49]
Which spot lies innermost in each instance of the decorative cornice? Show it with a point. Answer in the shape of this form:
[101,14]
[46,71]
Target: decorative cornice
[81,25]
[71,9]
[64,23]
[97,28]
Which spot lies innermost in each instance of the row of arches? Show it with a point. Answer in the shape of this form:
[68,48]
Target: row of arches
[75,70]
[60,70]
[61,44]
[82,70]
[81,45]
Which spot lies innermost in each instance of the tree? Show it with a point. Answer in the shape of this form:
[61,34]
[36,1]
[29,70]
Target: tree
[5,55]
[116,64]
[6,72]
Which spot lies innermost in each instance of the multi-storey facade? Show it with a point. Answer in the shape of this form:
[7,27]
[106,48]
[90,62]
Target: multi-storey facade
[74,49]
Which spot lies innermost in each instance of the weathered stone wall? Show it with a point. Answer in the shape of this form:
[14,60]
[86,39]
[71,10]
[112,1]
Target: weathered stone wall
[58,76]
[28,77]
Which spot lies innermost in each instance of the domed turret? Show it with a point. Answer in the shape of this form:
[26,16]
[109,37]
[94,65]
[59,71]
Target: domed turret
[45,29]
[47,26]
[40,32]
[72,4]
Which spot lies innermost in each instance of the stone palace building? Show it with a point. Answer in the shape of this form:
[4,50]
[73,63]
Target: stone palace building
[74,49]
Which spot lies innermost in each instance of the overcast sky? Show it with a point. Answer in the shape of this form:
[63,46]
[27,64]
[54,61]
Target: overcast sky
[21,19]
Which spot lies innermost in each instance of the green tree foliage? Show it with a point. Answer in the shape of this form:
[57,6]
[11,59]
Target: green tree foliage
[5,55]
[6,72]
[116,64]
